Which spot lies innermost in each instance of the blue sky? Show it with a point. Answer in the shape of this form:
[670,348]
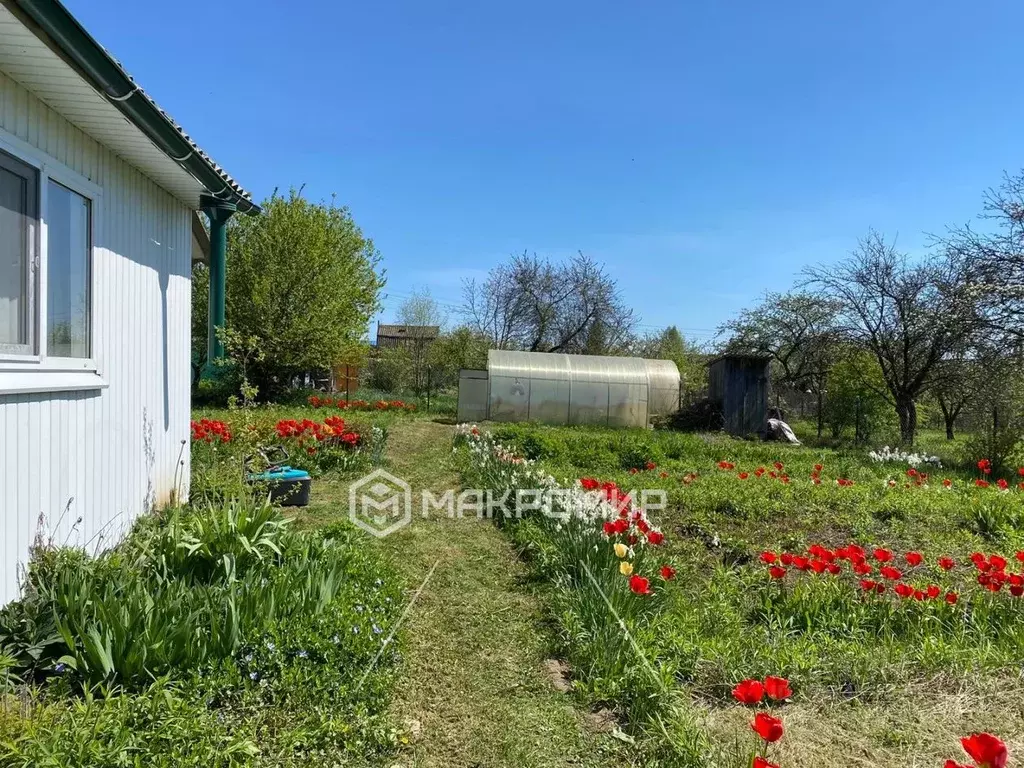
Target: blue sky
[703,151]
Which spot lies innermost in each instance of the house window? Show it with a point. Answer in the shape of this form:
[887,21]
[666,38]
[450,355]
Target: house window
[46,237]
[68,249]
[19,206]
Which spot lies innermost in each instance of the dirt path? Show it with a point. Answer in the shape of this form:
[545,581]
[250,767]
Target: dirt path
[474,689]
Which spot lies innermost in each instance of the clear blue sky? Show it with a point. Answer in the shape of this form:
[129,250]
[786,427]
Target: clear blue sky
[705,151]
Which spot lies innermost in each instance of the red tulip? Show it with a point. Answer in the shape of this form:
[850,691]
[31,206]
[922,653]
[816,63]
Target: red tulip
[801,563]
[868,585]
[668,572]
[947,482]
[640,585]
[947,563]
[986,750]
[655,537]
[981,483]
[861,569]
[762,762]
[609,529]
[768,557]
[888,572]
[913,559]
[904,590]
[786,558]
[951,598]
[997,562]
[776,572]
[819,467]
[778,465]
[882,555]
[777,688]
[1020,556]
[1016,590]
[933,591]
[748,692]
[743,475]
[770,728]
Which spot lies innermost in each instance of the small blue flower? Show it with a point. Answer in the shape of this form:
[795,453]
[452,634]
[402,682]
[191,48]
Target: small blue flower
[59,669]
[270,646]
[355,630]
[359,609]
[377,630]
[254,675]
[303,654]
[247,658]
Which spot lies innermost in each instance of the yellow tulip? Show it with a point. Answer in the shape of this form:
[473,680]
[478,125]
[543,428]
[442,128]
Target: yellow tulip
[621,549]
[625,568]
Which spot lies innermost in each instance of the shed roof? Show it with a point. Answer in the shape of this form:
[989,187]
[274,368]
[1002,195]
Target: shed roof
[409,331]
[43,47]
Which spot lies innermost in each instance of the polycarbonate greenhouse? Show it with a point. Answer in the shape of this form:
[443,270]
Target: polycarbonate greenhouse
[569,389]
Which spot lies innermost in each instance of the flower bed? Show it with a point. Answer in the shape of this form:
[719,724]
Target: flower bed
[731,588]
[325,401]
[214,635]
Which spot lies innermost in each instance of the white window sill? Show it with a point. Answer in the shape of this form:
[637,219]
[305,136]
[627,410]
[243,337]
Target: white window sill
[41,381]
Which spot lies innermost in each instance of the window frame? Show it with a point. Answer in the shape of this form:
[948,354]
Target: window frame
[37,371]
[11,163]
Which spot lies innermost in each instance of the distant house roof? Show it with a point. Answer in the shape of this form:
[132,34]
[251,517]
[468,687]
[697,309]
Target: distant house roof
[392,335]
[48,51]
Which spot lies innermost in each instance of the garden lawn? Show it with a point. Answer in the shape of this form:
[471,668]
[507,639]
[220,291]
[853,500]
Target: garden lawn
[877,679]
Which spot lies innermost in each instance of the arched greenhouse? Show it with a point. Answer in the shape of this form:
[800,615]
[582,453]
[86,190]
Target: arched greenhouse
[569,389]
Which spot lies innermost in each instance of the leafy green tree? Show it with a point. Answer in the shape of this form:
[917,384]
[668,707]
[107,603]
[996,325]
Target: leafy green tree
[200,317]
[452,351]
[855,395]
[670,344]
[303,281]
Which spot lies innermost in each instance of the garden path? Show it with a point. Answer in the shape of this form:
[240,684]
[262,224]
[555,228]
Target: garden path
[474,690]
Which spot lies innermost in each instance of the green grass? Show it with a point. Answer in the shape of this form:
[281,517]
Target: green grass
[474,690]
[863,671]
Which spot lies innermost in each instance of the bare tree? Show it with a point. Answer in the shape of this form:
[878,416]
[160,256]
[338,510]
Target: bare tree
[419,310]
[542,306]
[996,258]
[911,315]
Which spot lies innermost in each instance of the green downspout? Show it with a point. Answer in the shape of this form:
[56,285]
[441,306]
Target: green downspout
[218,212]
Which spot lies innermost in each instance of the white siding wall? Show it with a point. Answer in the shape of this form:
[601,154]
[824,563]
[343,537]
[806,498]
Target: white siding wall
[111,453]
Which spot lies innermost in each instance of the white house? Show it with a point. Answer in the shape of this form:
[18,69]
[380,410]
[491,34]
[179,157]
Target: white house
[99,190]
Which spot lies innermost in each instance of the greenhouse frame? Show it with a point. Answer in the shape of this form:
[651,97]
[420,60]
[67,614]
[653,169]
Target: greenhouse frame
[554,388]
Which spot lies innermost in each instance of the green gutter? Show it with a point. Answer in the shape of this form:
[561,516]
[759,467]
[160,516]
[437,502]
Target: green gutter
[111,79]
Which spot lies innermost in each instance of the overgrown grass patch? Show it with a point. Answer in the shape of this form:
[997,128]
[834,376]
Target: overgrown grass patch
[213,635]
[723,618]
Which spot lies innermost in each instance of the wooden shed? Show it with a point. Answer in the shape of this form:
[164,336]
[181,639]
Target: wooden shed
[738,385]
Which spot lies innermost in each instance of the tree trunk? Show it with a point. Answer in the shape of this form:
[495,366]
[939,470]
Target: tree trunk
[907,410]
[821,416]
[949,415]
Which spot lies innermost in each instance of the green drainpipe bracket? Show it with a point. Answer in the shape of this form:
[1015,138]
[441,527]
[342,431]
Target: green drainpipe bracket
[218,212]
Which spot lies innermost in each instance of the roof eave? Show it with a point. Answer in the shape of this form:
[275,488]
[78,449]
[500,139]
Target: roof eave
[80,50]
